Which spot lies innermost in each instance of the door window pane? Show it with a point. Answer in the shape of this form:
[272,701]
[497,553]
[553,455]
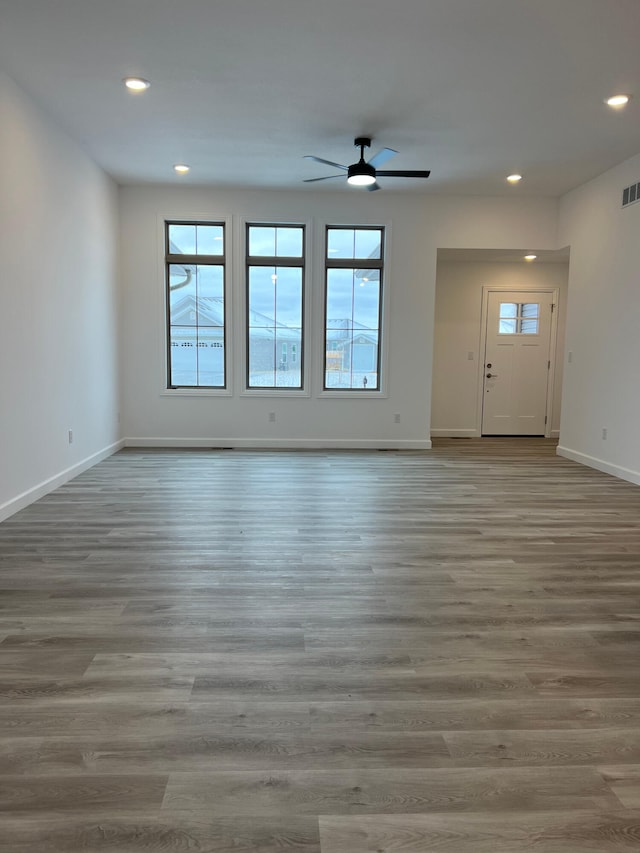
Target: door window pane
[530,312]
[508,309]
[518,318]
[508,327]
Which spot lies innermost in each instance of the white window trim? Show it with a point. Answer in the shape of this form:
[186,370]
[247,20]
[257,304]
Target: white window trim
[240,329]
[312,350]
[319,308]
[161,308]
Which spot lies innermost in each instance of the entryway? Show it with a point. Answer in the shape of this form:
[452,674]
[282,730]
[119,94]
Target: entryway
[518,341]
[518,358]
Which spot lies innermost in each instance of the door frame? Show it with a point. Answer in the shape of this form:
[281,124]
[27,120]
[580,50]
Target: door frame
[490,288]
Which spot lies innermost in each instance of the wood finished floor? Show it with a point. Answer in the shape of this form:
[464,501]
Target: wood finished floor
[345,652]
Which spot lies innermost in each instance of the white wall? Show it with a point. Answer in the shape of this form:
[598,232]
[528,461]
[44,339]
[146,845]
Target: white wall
[601,386]
[58,304]
[419,225]
[459,288]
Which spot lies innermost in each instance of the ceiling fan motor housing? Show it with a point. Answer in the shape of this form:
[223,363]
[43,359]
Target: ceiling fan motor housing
[361,170]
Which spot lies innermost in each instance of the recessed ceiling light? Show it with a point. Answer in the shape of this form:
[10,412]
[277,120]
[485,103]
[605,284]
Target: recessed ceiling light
[136,84]
[514,179]
[618,101]
[530,257]
[181,168]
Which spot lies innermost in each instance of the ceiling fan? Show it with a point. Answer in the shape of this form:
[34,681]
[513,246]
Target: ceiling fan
[363,174]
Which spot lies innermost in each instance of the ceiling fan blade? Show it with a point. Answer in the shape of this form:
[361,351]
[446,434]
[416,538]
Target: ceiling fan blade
[382,157]
[373,187]
[326,178]
[326,162]
[414,174]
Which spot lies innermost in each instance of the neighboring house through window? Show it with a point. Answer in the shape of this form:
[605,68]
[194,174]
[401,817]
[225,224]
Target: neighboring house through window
[196,284]
[354,261]
[196,315]
[275,306]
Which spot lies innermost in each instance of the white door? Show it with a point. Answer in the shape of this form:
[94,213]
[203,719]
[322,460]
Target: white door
[517,362]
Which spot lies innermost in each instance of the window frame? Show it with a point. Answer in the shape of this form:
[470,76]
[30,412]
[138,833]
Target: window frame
[519,319]
[292,262]
[222,260]
[353,264]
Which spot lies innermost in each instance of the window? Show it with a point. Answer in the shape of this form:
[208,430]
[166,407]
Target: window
[354,262]
[275,306]
[195,281]
[518,318]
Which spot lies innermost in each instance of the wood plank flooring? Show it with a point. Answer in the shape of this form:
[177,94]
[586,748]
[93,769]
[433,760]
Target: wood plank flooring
[324,652]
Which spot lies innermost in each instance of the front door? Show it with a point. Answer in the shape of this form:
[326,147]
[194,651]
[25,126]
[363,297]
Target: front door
[517,362]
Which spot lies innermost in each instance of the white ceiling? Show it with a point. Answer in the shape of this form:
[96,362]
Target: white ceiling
[504,256]
[242,89]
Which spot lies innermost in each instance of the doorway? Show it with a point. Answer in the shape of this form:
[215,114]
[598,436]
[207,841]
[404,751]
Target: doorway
[518,351]
[464,278]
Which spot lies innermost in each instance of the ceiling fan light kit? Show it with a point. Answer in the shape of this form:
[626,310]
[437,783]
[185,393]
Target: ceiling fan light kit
[363,174]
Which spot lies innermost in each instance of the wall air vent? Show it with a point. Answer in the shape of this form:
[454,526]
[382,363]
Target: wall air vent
[630,195]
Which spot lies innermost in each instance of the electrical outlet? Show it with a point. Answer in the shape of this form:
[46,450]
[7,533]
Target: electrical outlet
[604,433]
[396,418]
[272,417]
[70,436]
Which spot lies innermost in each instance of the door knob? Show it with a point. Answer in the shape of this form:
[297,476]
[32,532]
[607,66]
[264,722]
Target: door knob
[491,375]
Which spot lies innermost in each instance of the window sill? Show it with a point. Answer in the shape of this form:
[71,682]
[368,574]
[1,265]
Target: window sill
[352,394]
[196,392]
[274,392]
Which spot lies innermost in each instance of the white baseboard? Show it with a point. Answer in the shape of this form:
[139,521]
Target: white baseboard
[470,433]
[282,443]
[600,465]
[455,433]
[31,495]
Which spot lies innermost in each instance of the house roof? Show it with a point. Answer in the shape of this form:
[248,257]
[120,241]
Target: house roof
[210,312]
[471,89]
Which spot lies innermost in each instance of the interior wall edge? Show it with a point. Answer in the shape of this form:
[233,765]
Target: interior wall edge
[14,505]
[600,464]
